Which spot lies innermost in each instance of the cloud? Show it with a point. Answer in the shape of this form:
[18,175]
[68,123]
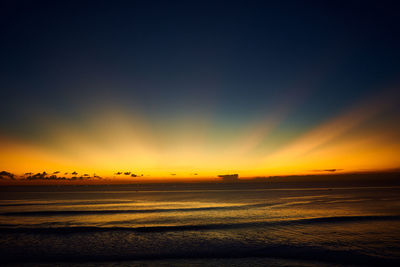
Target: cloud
[39,176]
[6,175]
[44,176]
[328,170]
[229,177]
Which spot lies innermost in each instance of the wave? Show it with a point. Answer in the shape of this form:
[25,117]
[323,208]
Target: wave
[210,250]
[66,203]
[314,256]
[116,211]
[198,227]
[138,211]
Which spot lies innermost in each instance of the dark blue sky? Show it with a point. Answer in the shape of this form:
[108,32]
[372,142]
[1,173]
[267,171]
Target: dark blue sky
[158,52]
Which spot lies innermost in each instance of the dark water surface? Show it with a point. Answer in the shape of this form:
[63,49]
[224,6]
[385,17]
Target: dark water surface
[200,225]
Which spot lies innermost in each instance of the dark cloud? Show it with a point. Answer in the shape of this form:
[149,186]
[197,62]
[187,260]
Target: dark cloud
[39,176]
[7,175]
[229,177]
[328,170]
[127,173]
[44,176]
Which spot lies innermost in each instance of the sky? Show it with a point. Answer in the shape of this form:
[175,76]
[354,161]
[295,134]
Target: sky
[195,89]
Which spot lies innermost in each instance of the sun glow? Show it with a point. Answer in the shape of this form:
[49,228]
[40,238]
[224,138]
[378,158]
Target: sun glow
[112,141]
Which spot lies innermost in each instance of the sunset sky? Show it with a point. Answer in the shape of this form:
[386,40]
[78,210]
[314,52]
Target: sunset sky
[199,88]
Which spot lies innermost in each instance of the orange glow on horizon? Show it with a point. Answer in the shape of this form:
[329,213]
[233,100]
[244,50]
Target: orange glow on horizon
[113,141]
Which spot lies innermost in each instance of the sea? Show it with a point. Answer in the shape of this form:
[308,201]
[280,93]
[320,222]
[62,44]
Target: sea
[200,224]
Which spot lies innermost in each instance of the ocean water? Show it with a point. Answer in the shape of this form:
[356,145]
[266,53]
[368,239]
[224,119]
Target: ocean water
[241,224]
